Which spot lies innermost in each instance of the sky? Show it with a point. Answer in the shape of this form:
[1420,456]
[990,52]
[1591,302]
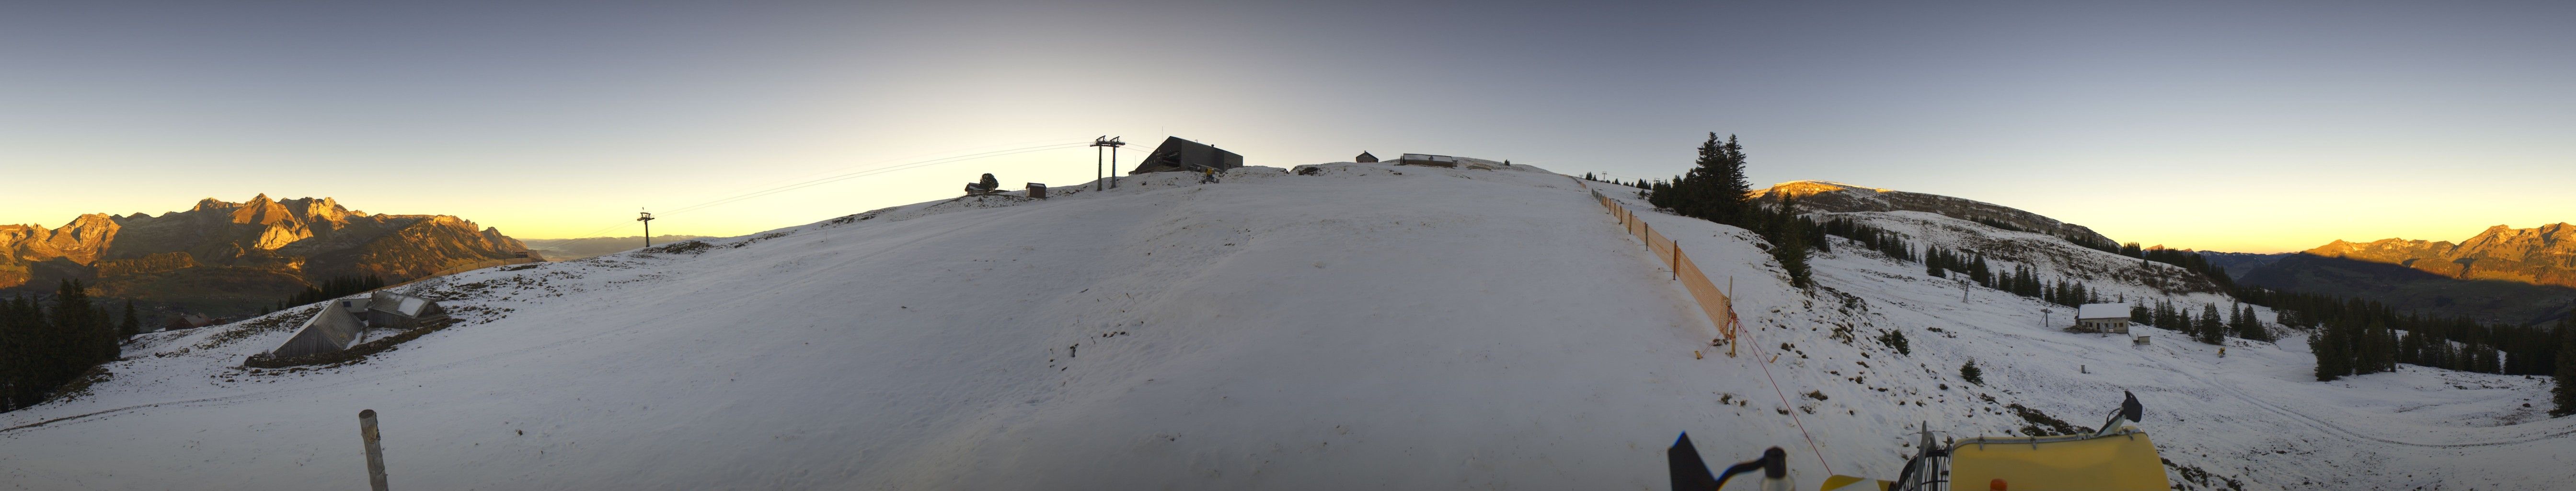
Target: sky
[2231,126]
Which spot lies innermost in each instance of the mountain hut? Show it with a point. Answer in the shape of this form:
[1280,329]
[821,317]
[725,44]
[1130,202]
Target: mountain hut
[1176,154]
[2103,317]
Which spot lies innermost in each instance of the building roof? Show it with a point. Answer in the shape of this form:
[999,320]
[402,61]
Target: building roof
[398,304]
[2102,311]
[1176,154]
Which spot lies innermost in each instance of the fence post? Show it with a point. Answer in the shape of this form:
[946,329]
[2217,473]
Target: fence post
[1677,260]
[375,450]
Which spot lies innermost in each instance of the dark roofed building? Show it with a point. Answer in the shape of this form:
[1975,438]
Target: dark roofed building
[1427,159]
[1176,154]
[1365,158]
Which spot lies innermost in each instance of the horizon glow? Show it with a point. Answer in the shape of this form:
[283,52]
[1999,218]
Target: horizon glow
[2218,126]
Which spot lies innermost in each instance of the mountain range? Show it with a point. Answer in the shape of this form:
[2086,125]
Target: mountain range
[1359,326]
[2519,275]
[225,257]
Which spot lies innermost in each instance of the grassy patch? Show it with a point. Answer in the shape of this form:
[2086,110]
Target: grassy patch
[2041,424]
[690,247]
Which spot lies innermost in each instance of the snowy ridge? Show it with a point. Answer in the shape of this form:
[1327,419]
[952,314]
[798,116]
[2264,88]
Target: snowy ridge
[1339,326]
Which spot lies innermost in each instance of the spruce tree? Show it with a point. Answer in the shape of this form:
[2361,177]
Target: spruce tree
[1980,273]
[2564,393]
[1727,182]
[15,359]
[129,324]
[2251,325]
[2332,361]
[2212,330]
[1791,251]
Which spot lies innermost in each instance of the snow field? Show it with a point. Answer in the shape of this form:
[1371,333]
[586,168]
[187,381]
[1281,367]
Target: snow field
[1367,326]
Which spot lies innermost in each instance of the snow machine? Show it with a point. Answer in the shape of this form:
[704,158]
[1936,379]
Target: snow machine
[2119,457]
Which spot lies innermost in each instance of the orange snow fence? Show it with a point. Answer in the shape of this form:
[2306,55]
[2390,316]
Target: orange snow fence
[1711,300]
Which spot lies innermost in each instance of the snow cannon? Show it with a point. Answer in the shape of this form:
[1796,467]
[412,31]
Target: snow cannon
[2118,457]
[1690,473]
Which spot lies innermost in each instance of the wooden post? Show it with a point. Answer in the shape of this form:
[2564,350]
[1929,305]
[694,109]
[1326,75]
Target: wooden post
[375,450]
[1677,260]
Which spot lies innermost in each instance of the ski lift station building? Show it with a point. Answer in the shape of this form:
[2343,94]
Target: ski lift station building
[1176,154]
[2103,317]
[343,320]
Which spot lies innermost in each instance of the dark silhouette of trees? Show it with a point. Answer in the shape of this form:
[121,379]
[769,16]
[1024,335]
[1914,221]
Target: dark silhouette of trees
[336,287]
[44,345]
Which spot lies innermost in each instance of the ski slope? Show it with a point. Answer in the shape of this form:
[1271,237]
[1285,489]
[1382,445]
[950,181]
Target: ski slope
[1366,326]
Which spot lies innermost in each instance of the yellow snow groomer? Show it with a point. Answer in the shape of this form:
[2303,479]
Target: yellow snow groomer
[2119,457]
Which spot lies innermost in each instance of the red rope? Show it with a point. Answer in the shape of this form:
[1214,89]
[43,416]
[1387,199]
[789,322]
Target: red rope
[1793,415]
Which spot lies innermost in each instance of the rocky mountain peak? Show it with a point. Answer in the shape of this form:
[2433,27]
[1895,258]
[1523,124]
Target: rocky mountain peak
[2540,255]
[210,204]
[266,241]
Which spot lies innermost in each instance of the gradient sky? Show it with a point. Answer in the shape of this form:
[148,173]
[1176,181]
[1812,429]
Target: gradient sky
[2219,126]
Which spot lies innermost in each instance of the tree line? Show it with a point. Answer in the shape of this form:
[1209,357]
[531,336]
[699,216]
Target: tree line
[47,344]
[2208,326]
[1716,189]
[336,287]
[2352,336]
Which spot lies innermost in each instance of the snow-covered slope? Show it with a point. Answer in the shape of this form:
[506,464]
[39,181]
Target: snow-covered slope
[1356,326]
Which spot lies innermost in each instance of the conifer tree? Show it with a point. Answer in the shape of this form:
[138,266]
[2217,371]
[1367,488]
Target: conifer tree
[2411,348]
[1979,272]
[2332,361]
[2212,330]
[129,325]
[2564,393]
[16,359]
[2250,325]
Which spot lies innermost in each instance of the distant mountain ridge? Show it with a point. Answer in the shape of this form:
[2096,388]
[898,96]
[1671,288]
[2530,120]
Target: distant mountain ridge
[220,254]
[1835,197]
[2523,276]
[2238,263]
[570,249]
[2544,255]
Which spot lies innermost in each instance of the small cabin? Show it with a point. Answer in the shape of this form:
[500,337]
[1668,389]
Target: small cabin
[1365,158]
[2103,317]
